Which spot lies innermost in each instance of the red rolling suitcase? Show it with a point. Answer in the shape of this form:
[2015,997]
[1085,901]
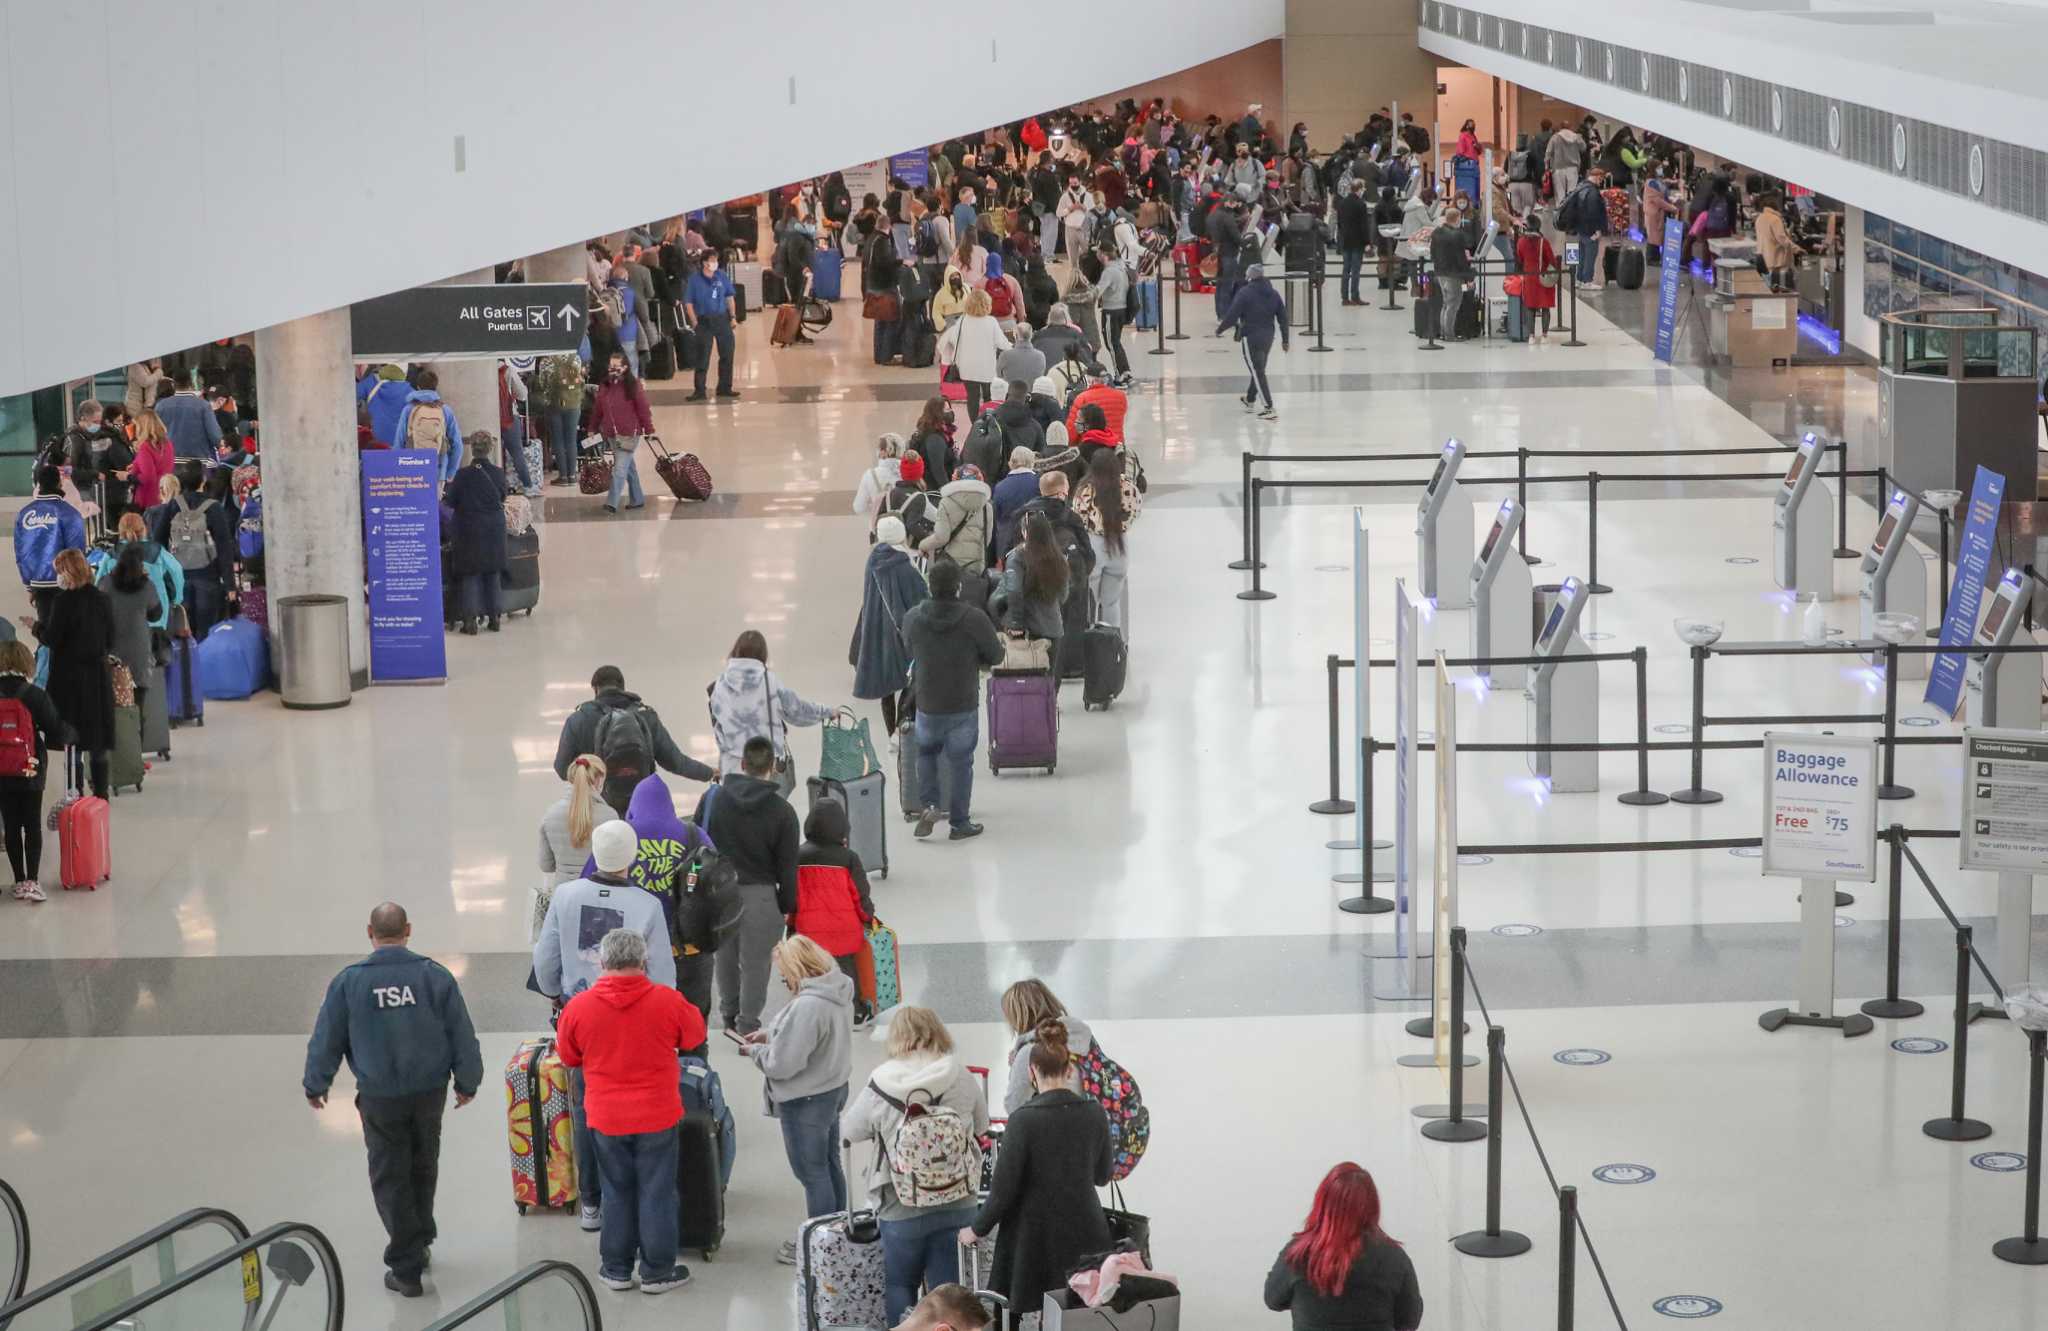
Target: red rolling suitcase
[86,854]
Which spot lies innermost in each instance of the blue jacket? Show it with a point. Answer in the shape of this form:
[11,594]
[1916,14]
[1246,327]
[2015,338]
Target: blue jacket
[707,297]
[399,1020]
[165,573]
[194,429]
[386,400]
[629,317]
[451,448]
[42,528]
[1258,311]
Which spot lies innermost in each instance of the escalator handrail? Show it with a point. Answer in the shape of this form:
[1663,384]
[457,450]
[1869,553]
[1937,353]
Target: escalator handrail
[255,1243]
[227,1220]
[593,1319]
[17,1215]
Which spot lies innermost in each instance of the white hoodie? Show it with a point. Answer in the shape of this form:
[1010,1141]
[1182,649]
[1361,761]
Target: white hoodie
[945,1079]
[875,482]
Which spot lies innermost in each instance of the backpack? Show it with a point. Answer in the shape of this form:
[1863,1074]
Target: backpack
[625,742]
[1520,169]
[927,241]
[249,540]
[932,1156]
[428,427]
[1102,1080]
[614,307]
[999,302]
[707,896]
[17,738]
[191,537]
[916,513]
[1104,230]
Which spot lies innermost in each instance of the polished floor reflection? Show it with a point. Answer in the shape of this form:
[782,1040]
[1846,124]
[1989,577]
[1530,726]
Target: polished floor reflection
[1168,880]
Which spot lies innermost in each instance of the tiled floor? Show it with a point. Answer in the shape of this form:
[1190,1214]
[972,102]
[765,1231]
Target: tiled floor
[1168,880]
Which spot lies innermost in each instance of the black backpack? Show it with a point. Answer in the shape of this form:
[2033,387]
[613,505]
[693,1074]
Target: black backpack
[625,740]
[927,241]
[707,896]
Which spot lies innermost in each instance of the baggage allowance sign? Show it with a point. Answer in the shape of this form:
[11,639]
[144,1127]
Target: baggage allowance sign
[1820,807]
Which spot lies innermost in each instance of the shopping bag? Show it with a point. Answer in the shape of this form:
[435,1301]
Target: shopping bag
[848,751]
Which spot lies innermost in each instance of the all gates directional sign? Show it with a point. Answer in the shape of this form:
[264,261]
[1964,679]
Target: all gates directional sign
[470,322]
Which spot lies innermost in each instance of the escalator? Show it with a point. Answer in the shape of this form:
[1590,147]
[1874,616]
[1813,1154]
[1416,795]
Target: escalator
[553,1295]
[285,1278]
[145,1262]
[13,1246]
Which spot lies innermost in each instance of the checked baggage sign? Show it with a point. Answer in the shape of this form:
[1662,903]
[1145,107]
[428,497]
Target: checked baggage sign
[470,322]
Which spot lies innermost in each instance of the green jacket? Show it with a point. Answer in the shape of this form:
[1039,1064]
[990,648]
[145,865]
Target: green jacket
[558,383]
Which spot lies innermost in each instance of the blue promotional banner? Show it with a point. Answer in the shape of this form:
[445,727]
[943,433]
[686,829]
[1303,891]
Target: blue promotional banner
[1668,279]
[913,169]
[402,546]
[1966,595]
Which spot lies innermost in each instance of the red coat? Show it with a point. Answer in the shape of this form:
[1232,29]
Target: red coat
[828,908]
[1033,135]
[626,1033]
[1533,255]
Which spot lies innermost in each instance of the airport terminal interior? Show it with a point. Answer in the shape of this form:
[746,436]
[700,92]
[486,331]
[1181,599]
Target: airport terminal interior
[1744,494]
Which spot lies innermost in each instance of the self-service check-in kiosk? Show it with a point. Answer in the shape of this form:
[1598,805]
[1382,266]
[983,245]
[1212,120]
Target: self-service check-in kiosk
[2005,687]
[1895,577]
[1564,697]
[1502,622]
[1443,534]
[1804,527]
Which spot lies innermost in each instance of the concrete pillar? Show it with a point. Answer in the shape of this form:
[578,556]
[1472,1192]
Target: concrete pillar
[563,265]
[471,386]
[1343,59]
[312,494]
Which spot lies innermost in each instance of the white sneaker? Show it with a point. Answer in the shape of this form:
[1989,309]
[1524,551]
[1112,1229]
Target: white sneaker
[29,891]
[786,1254]
[590,1218]
[1269,415]
[1250,404]
[675,1279]
[620,1283]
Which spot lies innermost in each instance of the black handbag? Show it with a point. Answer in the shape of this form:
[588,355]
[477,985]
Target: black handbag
[1128,1226]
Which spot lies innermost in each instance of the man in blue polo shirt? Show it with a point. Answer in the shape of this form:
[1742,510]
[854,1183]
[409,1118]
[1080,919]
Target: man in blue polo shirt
[708,305]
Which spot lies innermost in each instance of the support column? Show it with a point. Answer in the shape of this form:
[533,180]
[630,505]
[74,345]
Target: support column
[312,494]
[1340,60]
[471,386]
[567,264]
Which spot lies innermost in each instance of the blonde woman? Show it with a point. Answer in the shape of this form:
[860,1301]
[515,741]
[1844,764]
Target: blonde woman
[1027,1004]
[154,460]
[918,1247]
[971,346]
[565,831]
[806,1055]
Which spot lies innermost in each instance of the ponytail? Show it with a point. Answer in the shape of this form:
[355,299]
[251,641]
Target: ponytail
[586,779]
[1050,1058]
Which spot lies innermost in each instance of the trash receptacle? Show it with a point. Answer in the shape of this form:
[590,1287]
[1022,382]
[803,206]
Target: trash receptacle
[313,644]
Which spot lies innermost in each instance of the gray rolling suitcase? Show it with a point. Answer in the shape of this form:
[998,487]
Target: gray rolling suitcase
[867,816]
[906,775]
[839,1269]
[156,717]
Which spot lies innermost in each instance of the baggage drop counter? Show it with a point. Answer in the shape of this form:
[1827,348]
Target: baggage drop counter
[1956,391]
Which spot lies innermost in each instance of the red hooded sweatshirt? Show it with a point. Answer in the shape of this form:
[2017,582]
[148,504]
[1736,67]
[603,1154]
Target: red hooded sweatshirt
[626,1033]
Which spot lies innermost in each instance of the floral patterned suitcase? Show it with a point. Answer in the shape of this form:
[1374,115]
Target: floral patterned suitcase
[543,1135]
[839,1277]
[881,948]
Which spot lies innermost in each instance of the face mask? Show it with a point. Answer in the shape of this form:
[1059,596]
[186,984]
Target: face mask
[615,374]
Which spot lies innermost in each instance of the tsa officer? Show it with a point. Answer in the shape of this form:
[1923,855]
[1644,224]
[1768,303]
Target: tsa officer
[399,1020]
[708,305]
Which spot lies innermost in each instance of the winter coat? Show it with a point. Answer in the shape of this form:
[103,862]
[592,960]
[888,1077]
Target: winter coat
[875,482]
[1084,504]
[1020,430]
[1008,499]
[153,462]
[890,586]
[80,633]
[833,901]
[937,451]
[809,1049]
[963,525]
[1534,256]
[560,859]
[49,730]
[972,345]
[477,494]
[1379,1291]
[1115,405]
[936,1080]
[132,611]
[1023,363]
[1068,531]
[952,643]
[1043,1204]
[579,736]
[740,710]
[43,528]
[1054,339]
[1029,615]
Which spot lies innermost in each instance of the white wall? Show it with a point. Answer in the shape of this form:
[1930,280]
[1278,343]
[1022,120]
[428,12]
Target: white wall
[178,170]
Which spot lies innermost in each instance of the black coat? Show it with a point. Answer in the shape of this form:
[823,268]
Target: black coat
[1055,1154]
[1354,222]
[1379,1294]
[80,633]
[477,494]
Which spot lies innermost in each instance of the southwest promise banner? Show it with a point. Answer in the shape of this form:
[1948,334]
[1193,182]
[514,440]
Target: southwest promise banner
[402,547]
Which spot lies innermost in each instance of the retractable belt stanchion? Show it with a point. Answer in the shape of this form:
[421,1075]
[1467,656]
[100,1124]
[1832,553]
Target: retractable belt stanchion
[1573,341]
[1891,1005]
[2028,1249]
[1493,1241]
[1453,1122]
[1365,903]
[1888,788]
[1430,326]
[1244,500]
[1180,273]
[1255,592]
[1159,327]
[1522,498]
[1593,583]
[1315,295]
[1642,795]
[1335,803]
[1567,1256]
[1958,1127]
[1696,793]
[1842,550]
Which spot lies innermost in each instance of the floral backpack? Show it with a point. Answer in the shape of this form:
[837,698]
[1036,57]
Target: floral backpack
[1103,1080]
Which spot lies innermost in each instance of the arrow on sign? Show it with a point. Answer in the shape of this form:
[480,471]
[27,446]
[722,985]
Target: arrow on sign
[569,315]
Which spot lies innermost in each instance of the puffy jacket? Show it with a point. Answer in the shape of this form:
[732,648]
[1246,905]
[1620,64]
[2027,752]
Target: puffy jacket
[626,1033]
[1114,403]
[941,1080]
[44,527]
[963,525]
[833,904]
[399,1020]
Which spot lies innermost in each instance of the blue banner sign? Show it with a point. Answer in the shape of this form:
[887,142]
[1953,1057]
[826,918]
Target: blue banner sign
[402,546]
[1966,595]
[1668,279]
[913,169]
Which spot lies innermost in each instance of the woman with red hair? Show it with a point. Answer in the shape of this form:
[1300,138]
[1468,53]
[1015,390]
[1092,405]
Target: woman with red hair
[1342,1272]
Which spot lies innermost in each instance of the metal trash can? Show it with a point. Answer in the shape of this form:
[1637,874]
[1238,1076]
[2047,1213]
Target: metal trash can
[313,643]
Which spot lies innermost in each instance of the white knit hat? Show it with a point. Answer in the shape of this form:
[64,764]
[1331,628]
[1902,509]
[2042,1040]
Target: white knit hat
[889,531]
[614,845]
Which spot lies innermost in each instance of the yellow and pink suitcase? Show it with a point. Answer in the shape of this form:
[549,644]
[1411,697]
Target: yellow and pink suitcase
[542,1132]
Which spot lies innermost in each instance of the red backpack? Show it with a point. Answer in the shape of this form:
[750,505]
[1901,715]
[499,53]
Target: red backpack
[999,302]
[17,738]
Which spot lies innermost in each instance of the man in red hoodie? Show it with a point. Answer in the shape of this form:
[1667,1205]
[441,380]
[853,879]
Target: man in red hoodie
[626,1033]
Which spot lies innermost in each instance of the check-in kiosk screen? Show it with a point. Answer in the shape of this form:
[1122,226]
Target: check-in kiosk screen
[1550,624]
[1885,529]
[1798,464]
[1993,618]
[1438,474]
[1492,539]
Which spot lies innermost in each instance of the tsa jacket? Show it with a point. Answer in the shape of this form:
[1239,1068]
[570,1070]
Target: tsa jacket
[399,1020]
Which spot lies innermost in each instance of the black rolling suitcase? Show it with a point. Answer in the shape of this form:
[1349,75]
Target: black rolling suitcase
[1471,315]
[1427,306]
[1075,616]
[661,362]
[700,1186]
[1107,660]
[1628,269]
[520,582]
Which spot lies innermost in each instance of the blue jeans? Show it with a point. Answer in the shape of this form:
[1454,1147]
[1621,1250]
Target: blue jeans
[1354,264]
[810,1138]
[562,433]
[481,594]
[589,1178]
[641,1209]
[1589,257]
[515,452]
[626,477]
[922,1252]
[956,733]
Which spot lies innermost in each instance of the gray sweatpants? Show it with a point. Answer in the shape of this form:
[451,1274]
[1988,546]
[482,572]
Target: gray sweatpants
[744,960]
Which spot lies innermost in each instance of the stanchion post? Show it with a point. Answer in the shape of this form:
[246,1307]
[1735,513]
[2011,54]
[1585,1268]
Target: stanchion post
[1891,1006]
[2027,1249]
[1315,293]
[1944,574]
[1593,583]
[1244,504]
[1365,903]
[1957,1127]
[1335,803]
[1642,795]
[1393,280]
[1493,1241]
[1180,275]
[1567,1256]
[1255,592]
[1884,487]
[1573,341]
[1430,327]
[1842,550]
[1696,793]
[1888,788]
[1159,324]
[1456,1127]
[1522,498]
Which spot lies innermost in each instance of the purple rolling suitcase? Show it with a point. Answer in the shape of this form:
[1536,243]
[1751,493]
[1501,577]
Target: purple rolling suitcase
[181,685]
[1023,720]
